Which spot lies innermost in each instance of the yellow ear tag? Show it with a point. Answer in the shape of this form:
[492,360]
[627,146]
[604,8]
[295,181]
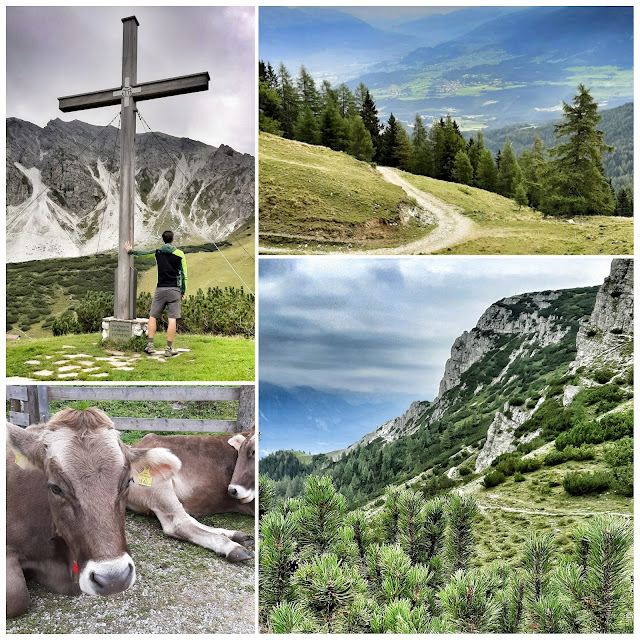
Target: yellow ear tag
[144,478]
[21,461]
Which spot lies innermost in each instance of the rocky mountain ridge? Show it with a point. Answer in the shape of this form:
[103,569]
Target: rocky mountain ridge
[62,189]
[587,328]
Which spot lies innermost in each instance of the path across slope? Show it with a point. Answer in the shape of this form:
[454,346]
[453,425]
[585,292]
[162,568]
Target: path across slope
[452,227]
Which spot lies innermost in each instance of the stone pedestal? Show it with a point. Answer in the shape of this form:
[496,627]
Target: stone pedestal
[123,330]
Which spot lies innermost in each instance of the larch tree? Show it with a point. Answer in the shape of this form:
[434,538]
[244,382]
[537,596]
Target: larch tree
[462,169]
[576,183]
[288,101]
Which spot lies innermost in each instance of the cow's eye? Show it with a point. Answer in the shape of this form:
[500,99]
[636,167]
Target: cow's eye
[56,490]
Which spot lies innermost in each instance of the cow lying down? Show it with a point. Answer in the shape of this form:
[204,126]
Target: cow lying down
[68,484]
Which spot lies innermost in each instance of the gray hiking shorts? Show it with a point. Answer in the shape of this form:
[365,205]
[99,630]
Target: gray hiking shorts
[166,297]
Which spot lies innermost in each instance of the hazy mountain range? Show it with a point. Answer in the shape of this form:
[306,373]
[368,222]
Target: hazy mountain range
[489,66]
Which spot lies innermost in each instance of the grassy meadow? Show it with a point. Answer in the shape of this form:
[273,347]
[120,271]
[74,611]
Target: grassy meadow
[310,195]
[313,199]
[506,229]
[209,358]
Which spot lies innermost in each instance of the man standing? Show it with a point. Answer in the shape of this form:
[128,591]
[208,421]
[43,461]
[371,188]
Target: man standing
[170,288]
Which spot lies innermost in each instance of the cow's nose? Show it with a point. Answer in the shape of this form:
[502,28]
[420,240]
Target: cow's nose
[232,491]
[114,581]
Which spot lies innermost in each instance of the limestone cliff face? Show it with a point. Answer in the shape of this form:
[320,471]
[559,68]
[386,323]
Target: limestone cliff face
[501,437]
[405,425]
[608,334]
[516,316]
[63,194]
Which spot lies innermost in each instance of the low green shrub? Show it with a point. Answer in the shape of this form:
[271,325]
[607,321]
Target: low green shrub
[577,483]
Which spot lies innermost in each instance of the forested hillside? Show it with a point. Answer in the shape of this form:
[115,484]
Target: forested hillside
[566,179]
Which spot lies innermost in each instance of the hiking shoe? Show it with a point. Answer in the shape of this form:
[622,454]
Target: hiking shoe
[149,349]
[170,352]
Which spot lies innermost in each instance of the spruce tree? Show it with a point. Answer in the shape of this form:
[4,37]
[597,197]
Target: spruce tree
[269,109]
[576,183]
[369,115]
[346,101]
[533,164]
[487,171]
[360,145]
[462,169]
[332,128]
[453,142]
[288,102]
[389,142]
[509,172]
[307,128]
[307,91]
[403,152]
[422,163]
[437,142]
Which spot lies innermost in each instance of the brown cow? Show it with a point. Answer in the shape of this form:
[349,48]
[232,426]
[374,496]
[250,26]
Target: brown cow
[217,476]
[67,486]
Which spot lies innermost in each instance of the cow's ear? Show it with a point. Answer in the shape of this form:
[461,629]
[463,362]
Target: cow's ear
[28,447]
[159,462]
[236,441]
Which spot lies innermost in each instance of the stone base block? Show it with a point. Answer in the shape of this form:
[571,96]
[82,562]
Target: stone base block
[123,330]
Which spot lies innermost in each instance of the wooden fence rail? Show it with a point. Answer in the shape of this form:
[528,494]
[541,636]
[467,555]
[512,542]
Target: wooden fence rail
[29,404]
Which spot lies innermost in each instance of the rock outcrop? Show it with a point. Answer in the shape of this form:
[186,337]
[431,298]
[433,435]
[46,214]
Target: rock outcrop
[608,334]
[405,425]
[62,189]
[517,315]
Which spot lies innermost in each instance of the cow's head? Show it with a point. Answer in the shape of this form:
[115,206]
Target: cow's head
[243,481]
[88,472]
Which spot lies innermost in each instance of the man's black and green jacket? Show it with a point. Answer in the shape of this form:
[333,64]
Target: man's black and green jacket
[172,266]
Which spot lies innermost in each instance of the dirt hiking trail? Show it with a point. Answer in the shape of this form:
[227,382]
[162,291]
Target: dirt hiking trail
[452,227]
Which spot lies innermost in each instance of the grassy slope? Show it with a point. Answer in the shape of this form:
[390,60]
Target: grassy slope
[500,533]
[210,358]
[507,230]
[326,196]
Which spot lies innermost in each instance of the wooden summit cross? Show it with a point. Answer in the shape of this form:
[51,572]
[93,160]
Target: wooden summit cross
[127,95]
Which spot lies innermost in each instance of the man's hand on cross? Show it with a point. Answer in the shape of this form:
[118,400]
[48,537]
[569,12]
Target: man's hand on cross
[128,246]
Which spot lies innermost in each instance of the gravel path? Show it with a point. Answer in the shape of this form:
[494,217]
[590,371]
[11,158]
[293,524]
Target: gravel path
[452,227]
[180,588]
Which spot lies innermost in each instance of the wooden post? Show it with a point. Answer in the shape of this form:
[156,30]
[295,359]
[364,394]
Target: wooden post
[127,167]
[43,403]
[124,305]
[246,408]
[31,404]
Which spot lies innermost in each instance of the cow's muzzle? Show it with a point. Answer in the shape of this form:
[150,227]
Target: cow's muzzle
[241,493]
[106,577]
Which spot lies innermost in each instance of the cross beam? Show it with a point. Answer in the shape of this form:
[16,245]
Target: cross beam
[126,95]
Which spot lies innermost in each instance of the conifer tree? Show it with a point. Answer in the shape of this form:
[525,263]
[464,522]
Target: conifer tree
[453,142]
[474,151]
[389,142]
[487,171]
[307,91]
[520,196]
[403,152]
[509,172]
[307,128]
[360,145]
[346,101]
[269,106]
[369,115]
[576,183]
[436,139]
[533,166]
[288,102]
[422,163]
[462,169]
[461,511]
[332,128]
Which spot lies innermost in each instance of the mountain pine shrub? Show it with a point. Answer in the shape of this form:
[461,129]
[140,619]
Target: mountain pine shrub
[407,568]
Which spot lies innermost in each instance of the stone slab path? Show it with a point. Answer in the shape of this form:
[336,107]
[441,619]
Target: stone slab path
[67,365]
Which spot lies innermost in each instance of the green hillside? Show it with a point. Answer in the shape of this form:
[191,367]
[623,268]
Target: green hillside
[310,195]
[314,200]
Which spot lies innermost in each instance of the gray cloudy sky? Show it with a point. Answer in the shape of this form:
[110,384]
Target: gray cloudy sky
[387,325]
[60,51]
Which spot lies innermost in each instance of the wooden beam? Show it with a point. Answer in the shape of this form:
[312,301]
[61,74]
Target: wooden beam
[174,424]
[16,393]
[20,419]
[173,86]
[174,394]
[156,89]
[246,407]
